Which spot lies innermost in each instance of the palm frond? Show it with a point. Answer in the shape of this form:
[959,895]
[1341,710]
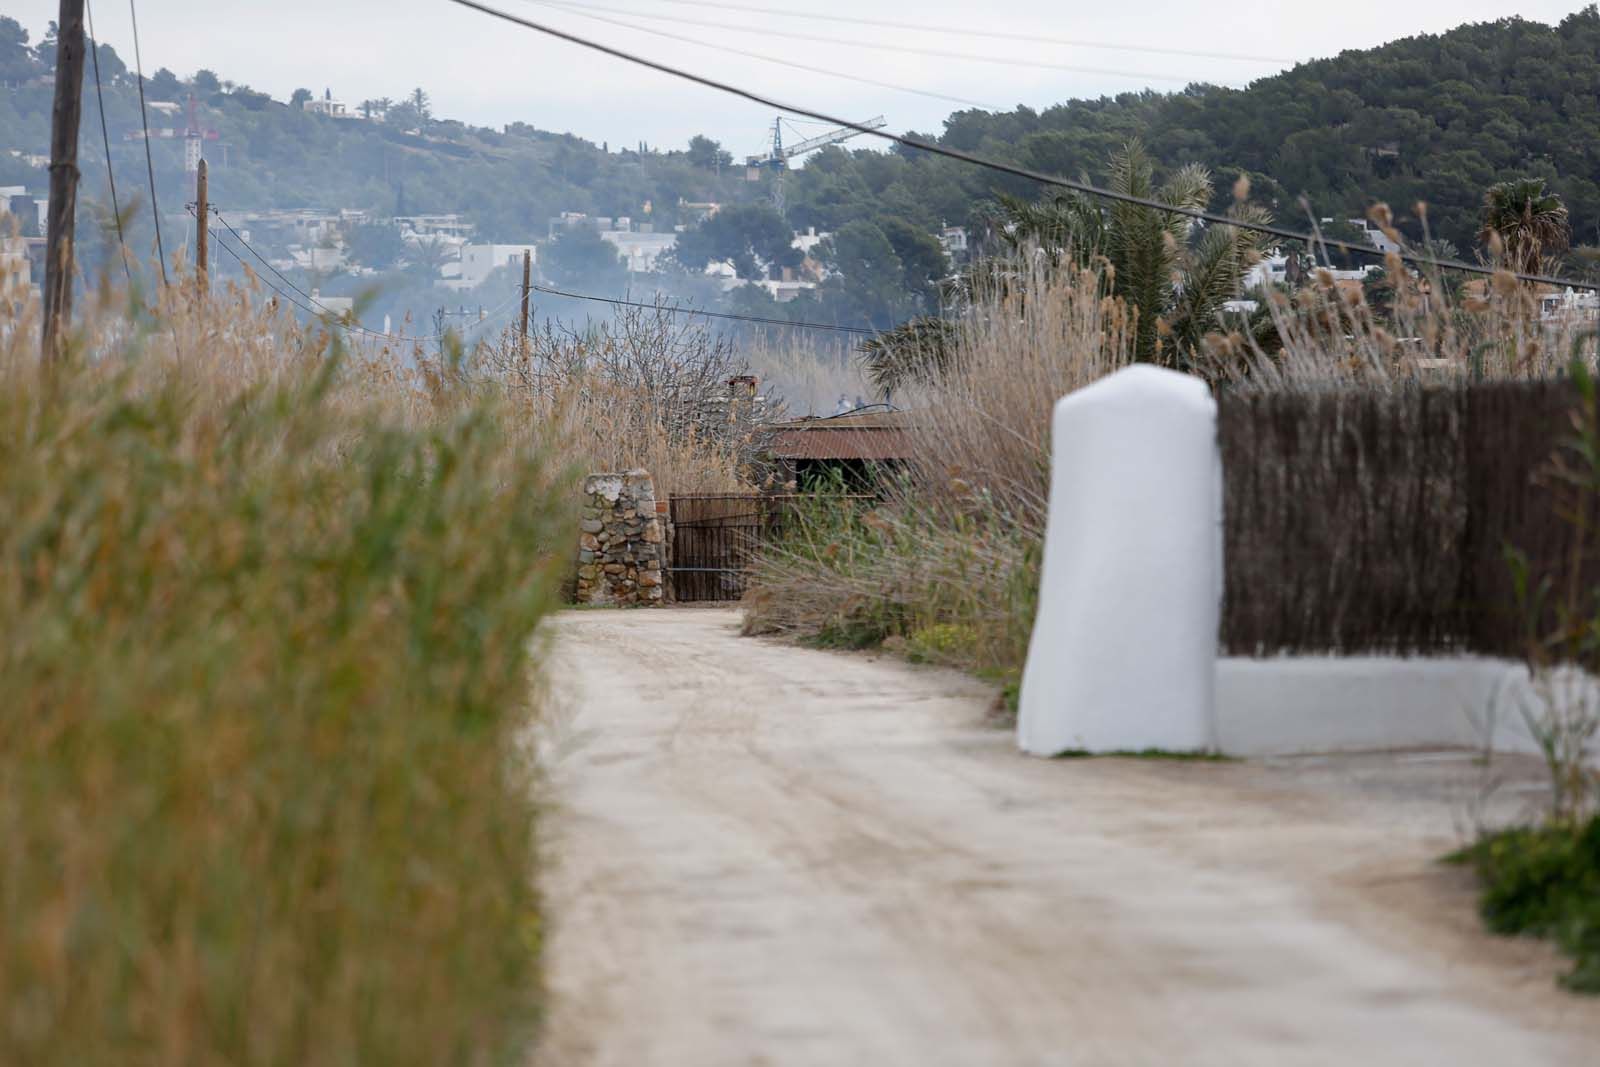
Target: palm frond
[917,352]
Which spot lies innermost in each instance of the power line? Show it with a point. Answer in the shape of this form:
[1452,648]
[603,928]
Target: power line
[358,328]
[217,237]
[901,49]
[105,139]
[782,62]
[999,167]
[706,314]
[144,117]
[325,312]
[496,314]
[966,31]
[265,262]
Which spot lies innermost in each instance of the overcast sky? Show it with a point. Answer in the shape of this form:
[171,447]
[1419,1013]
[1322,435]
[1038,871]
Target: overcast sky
[487,72]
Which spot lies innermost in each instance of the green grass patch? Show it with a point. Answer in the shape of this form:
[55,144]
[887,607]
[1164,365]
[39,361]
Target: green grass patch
[1544,882]
[942,643]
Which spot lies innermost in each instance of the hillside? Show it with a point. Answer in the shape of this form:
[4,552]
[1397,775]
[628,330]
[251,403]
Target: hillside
[269,153]
[1434,119]
[1431,118]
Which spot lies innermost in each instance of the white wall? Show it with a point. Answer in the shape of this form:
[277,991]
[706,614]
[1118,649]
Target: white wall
[478,261]
[1124,648]
[1296,704]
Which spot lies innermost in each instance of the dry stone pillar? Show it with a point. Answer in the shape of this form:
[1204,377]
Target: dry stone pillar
[621,559]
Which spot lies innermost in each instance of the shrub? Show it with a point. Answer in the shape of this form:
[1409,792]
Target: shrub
[1545,882]
[266,660]
[942,642]
[955,548]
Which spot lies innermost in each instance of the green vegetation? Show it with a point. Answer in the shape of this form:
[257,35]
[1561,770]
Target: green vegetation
[1525,225]
[1432,119]
[265,786]
[1545,882]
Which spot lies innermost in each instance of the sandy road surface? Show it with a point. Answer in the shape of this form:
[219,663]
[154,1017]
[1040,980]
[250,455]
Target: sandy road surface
[769,855]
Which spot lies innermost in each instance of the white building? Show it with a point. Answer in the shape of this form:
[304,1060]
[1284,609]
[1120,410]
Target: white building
[337,306]
[480,261]
[1273,270]
[317,258]
[783,292]
[953,239]
[1571,307]
[808,241]
[640,249]
[334,109]
[416,228]
[16,268]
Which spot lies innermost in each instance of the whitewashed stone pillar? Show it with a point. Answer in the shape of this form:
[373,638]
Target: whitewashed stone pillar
[1124,648]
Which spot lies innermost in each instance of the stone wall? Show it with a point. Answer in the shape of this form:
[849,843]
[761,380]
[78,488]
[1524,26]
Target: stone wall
[621,559]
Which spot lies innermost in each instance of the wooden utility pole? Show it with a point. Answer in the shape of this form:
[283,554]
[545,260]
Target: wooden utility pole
[202,231]
[63,210]
[527,287]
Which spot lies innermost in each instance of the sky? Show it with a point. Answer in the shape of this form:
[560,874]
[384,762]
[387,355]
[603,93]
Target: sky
[486,72]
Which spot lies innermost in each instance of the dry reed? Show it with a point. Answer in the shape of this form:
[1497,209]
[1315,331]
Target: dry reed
[266,665]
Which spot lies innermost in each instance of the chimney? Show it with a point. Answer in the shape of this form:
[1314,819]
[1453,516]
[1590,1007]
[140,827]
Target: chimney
[743,387]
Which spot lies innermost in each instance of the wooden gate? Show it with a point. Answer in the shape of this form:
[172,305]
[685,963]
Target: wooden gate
[714,541]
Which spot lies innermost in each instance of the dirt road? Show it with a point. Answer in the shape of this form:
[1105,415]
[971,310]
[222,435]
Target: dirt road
[770,855]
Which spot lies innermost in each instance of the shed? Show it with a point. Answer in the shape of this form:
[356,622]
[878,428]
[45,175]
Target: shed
[860,446]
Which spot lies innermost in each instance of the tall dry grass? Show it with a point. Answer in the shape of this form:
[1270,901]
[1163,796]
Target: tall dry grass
[267,669]
[948,562]
[981,432]
[647,390]
[1327,336]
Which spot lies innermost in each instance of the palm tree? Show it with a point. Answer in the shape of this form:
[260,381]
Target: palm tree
[917,352]
[1175,273]
[1524,224]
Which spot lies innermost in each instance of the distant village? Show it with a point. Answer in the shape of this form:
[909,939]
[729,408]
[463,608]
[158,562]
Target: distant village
[317,242]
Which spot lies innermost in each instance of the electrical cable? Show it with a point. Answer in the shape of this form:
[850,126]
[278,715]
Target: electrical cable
[217,237]
[149,162]
[706,314]
[497,314]
[357,328]
[901,49]
[961,31]
[782,62]
[325,313]
[999,167]
[105,139]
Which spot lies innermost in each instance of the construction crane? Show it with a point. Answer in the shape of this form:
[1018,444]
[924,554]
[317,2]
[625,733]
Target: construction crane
[777,160]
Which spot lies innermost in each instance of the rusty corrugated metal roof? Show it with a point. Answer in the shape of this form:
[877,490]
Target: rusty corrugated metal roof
[871,435]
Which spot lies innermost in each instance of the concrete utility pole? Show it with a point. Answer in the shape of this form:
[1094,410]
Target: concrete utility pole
[527,287]
[63,211]
[202,230]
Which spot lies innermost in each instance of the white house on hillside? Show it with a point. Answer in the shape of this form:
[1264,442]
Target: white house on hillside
[640,249]
[334,109]
[16,268]
[480,261]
